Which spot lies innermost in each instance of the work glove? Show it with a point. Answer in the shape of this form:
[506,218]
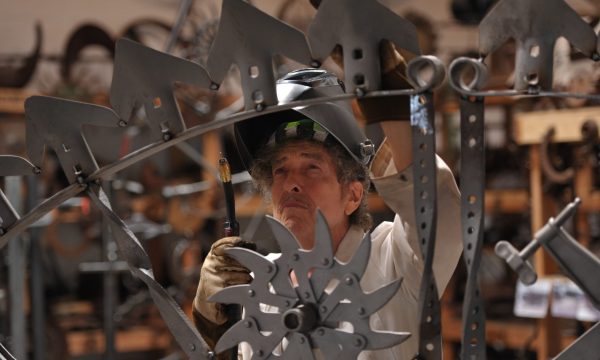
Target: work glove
[393,77]
[218,272]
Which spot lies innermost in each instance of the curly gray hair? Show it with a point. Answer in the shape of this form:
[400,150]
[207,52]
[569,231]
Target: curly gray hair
[347,169]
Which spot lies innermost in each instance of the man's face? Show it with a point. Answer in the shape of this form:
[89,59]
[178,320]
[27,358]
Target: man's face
[304,180]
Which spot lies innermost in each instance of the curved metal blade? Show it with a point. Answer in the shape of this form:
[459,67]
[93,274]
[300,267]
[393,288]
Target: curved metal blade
[286,240]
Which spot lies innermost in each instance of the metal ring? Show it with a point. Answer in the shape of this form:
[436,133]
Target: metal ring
[415,69]
[458,68]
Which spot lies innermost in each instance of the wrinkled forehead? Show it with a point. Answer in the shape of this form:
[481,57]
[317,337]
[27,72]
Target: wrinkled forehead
[301,149]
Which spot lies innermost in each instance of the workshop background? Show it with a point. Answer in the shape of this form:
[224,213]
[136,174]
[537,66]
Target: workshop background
[538,159]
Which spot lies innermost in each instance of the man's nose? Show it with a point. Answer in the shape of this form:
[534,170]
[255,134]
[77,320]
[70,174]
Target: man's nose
[293,182]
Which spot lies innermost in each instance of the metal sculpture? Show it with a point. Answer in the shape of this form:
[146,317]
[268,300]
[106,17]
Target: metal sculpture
[309,314]
[535,25]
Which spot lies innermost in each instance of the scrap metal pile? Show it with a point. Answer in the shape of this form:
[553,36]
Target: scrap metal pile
[307,315]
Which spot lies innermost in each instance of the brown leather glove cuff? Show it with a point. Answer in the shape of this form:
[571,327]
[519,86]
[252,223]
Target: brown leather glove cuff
[211,332]
[389,107]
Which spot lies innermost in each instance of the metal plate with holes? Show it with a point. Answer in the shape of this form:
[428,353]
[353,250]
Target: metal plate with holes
[536,25]
[137,83]
[425,195]
[308,315]
[250,39]
[349,23]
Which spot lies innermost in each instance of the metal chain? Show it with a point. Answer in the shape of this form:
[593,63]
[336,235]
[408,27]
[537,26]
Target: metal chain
[425,194]
[472,191]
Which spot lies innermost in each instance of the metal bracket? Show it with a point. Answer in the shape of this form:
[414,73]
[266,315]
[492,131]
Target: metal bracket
[349,23]
[57,123]
[145,77]
[535,25]
[472,156]
[250,38]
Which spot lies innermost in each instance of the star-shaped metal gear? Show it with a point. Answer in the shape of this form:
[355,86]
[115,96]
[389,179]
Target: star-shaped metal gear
[326,308]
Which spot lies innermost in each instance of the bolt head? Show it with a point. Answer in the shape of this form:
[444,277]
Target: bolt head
[358,342]
[348,280]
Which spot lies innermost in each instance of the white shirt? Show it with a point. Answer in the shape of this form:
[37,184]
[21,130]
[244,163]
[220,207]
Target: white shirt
[395,253]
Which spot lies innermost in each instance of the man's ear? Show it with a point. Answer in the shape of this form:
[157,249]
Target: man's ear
[355,194]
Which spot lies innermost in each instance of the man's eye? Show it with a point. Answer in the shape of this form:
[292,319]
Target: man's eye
[314,167]
[278,171]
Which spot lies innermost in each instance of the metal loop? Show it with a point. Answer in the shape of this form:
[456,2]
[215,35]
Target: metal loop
[458,70]
[418,65]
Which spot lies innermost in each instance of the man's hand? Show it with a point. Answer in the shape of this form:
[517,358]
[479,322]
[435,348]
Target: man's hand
[218,272]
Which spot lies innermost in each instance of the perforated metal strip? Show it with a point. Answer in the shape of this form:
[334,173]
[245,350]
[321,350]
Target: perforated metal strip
[425,194]
[472,191]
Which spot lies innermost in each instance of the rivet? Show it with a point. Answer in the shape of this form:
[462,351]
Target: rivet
[247,324]
[348,280]
[259,107]
[269,269]
[122,123]
[214,86]
[325,261]
[361,310]
[166,137]
[307,295]
[302,340]
[260,353]
[358,342]
[320,332]
[295,257]
[192,347]
[251,293]
[315,63]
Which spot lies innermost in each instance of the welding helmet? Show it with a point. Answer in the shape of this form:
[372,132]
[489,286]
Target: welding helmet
[334,118]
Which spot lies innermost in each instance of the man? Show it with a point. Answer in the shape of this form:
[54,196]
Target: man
[315,158]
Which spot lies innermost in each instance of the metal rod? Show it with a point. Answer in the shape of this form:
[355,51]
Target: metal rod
[38,300]
[16,275]
[109,285]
